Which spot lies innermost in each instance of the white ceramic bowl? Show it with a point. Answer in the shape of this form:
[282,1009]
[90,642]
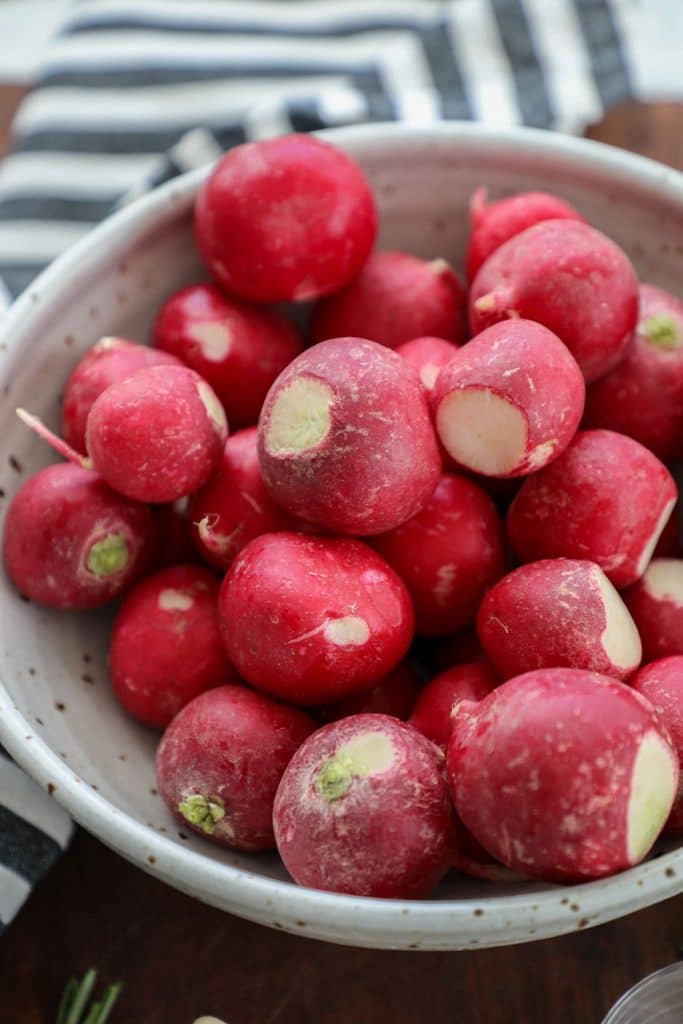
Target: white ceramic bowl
[69,733]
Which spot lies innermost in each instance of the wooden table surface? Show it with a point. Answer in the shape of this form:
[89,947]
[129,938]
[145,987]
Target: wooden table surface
[179,959]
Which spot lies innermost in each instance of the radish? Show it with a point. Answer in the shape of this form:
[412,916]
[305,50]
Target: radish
[432,711]
[70,542]
[237,348]
[495,223]
[554,613]
[313,620]
[510,401]
[107,362]
[363,808]
[234,506]
[605,499]
[173,539]
[346,440]
[394,695]
[428,356]
[643,395]
[395,298]
[165,646]
[285,219]
[661,682]
[220,761]
[562,774]
[447,555]
[568,277]
[656,603]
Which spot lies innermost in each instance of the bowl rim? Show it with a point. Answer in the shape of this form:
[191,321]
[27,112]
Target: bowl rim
[438,923]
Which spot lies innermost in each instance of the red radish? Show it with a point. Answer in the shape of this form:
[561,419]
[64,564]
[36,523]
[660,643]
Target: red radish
[313,620]
[443,652]
[285,219]
[237,348]
[661,682]
[395,298]
[220,761]
[447,555]
[643,395]
[107,362]
[428,356]
[363,808]
[656,603]
[165,646]
[173,539]
[570,278]
[394,695]
[554,613]
[495,223]
[510,401]
[669,543]
[605,499]
[432,712]
[346,440]
[562,774]
[70,542]
[234,506]
[472,859]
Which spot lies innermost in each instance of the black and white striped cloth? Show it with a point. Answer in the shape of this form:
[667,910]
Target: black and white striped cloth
[133,92]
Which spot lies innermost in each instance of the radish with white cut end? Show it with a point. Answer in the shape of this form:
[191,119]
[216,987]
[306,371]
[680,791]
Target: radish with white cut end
[395,298]
[605,499]
[346,439]
[166,646]
[568,277]
[107,362]
[220,761]
[428,356]
[363,808]
[313,620]
[285,219]
[495,223]
[394,695]
[234,506]
[432,712]
[235,346]
[643,395]
[554,613]
[656,603]
[510,401]
[71,542]
[562,774]
[662,683]
[447,555]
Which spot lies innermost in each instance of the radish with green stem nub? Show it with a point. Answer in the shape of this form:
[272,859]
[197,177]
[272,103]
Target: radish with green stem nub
[562,774]
[238,348]
[107,362]
[165,645]
[396,297]
[363,808]
[71,542]
[220,761]
[234,506]
[156,436]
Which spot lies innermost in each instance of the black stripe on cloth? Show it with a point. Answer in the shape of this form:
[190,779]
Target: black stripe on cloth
[32,207]
[603,43]
[16,278]
[446,74]
[3,753]
[530,87]
[116,140]
[304,115]
[24,849]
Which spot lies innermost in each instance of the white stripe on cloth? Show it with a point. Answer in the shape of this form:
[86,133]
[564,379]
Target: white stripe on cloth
[72,174]
[475,38]
[13,892]
[25,798]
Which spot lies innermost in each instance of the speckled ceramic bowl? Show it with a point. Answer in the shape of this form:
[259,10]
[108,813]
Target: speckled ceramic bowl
[57,714]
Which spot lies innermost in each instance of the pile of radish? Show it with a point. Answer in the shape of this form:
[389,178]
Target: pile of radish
[423,610]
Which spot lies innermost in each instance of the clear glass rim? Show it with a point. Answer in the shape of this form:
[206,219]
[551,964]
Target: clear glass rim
[641,987]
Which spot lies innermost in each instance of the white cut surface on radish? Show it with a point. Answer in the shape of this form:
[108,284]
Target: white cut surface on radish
[620,638]
[653,788]
[214,339]
[649,548]
[300,417]
[664,579]
[482,430]
[367,754]
[348,631]
[174,600]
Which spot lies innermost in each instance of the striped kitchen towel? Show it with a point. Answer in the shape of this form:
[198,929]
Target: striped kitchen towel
[133,92]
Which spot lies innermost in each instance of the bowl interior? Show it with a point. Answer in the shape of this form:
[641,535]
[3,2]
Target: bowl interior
[53,665]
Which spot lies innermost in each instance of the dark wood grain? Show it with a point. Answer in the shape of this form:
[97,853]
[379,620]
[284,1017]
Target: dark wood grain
[178,958]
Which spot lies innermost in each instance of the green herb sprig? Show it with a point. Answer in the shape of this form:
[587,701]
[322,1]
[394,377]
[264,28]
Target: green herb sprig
[74,1008]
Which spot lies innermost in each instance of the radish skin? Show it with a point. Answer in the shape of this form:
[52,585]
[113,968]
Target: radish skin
[427,356]
[432,712]
[562,774]
[661,682]
[394,695]
[656,603]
